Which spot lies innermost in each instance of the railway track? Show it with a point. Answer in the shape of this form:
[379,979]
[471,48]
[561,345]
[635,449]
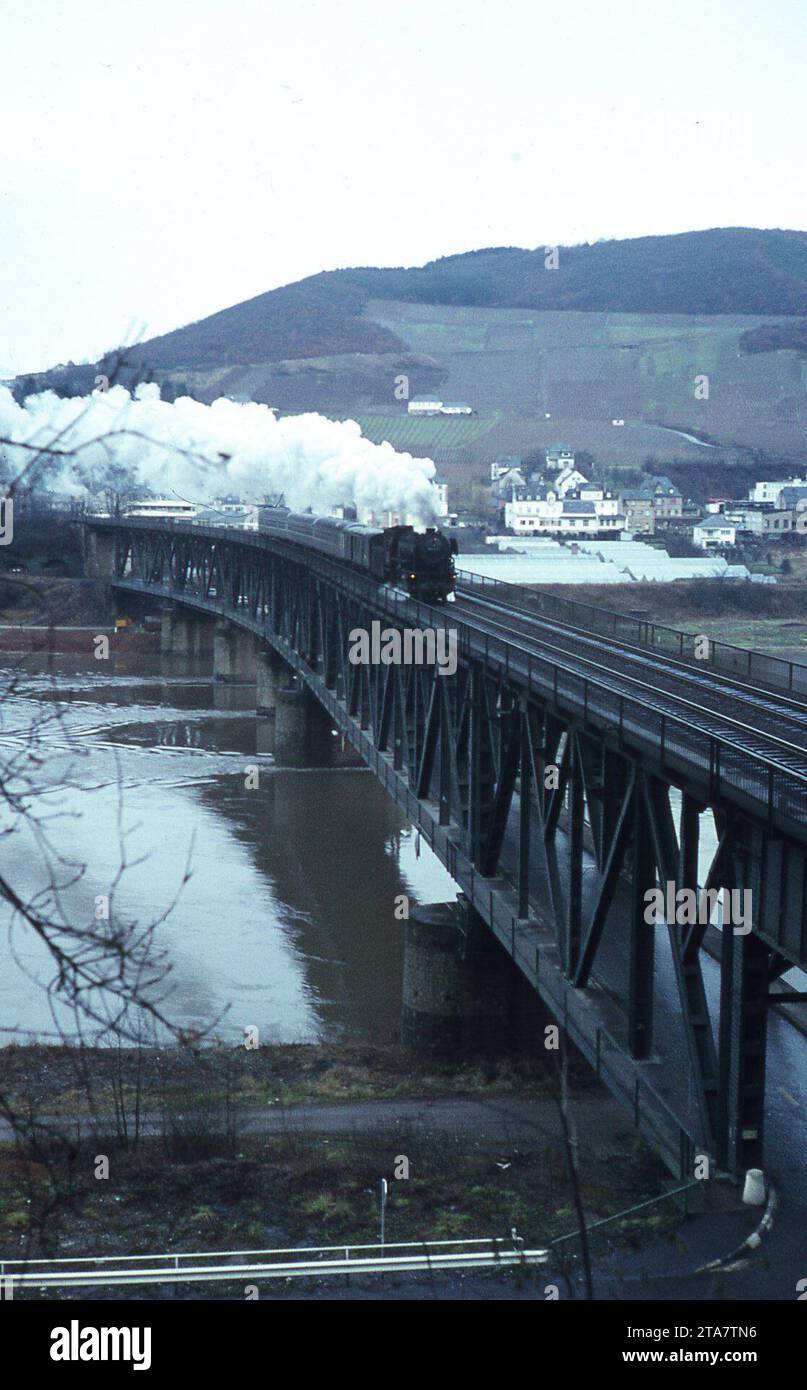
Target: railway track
[785,749]
[667,660]
[780,721]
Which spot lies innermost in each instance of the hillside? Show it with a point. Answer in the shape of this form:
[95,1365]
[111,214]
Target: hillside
[726,271]
[620,330]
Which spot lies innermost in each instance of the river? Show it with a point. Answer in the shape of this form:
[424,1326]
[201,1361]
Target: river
[286,919]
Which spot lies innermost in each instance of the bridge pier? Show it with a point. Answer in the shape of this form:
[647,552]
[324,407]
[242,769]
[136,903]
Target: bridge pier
[99,553]
[270,677]
[459,984]
[302,729]
[234,656]
[185,633]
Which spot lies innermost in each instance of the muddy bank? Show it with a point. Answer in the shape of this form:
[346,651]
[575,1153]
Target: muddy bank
[78,641]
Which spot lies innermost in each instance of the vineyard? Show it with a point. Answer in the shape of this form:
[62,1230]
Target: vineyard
[425,434]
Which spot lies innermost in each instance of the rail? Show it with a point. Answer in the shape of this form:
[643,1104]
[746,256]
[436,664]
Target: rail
[776,671]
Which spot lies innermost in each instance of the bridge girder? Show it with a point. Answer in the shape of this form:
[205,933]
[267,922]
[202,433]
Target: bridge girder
[546,815]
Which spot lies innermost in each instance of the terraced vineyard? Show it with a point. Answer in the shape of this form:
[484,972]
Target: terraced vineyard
[427,434]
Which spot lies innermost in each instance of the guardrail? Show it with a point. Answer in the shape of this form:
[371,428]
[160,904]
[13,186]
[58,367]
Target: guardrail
[304,1262]
[780,674]
[786,676]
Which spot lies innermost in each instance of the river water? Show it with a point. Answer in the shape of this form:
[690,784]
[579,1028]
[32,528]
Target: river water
[274,904]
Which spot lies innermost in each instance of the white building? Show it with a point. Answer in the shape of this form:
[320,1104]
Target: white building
[714,531]
[759,521]
[558,456]
[441,489]
[433,405]
[769,490]
[504,464]
[232,505]
[545,512]
[569,479]
[425,405]
[163,509]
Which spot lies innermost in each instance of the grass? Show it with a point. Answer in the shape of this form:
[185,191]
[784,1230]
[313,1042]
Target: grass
[414,433]
[761,634]
[297,1190]
[174,1081]
[763,618]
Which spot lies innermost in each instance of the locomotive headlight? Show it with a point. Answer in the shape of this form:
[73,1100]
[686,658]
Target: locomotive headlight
[413,576]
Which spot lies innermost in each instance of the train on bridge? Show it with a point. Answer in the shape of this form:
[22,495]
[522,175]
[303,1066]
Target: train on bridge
[421,563]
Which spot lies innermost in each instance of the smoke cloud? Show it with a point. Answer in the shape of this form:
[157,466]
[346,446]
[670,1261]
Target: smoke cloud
[201,452]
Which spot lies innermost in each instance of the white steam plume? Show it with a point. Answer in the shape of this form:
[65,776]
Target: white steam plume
[202,451]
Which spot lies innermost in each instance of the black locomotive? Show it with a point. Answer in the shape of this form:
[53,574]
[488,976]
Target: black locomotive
[419,562]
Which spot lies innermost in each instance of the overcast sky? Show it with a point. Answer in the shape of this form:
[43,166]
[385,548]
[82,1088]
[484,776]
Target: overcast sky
[165,159]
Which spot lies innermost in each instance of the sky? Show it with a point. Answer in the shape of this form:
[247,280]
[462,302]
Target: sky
[166,159]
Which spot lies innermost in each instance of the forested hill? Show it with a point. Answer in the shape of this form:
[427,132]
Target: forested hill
[733,270]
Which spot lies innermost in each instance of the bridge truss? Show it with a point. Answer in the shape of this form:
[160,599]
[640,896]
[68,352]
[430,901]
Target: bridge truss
[556,802]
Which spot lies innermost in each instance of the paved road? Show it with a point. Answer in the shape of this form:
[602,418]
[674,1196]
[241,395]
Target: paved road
[499,1119]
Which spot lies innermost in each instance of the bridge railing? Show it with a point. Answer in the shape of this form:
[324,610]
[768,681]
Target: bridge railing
[775,671]
[726,766]
[639,1091]
[755,780]
[743,662]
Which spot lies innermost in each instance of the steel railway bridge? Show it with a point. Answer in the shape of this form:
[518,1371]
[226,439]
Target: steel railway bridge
[560,775]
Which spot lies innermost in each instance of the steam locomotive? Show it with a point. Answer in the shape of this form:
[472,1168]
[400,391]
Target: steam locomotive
[420,563]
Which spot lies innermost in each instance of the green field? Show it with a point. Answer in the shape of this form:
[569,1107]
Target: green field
[427,434]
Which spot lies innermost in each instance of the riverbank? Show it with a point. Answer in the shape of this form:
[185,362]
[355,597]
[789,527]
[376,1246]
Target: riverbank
[75,641]
[97,1081]
[227,1148]
[61,615]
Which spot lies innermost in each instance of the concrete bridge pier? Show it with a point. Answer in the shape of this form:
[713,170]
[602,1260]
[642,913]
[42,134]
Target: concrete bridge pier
[184,633]
[271,675]
[303,735]
[99,553]
[234,655]
[459,984]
